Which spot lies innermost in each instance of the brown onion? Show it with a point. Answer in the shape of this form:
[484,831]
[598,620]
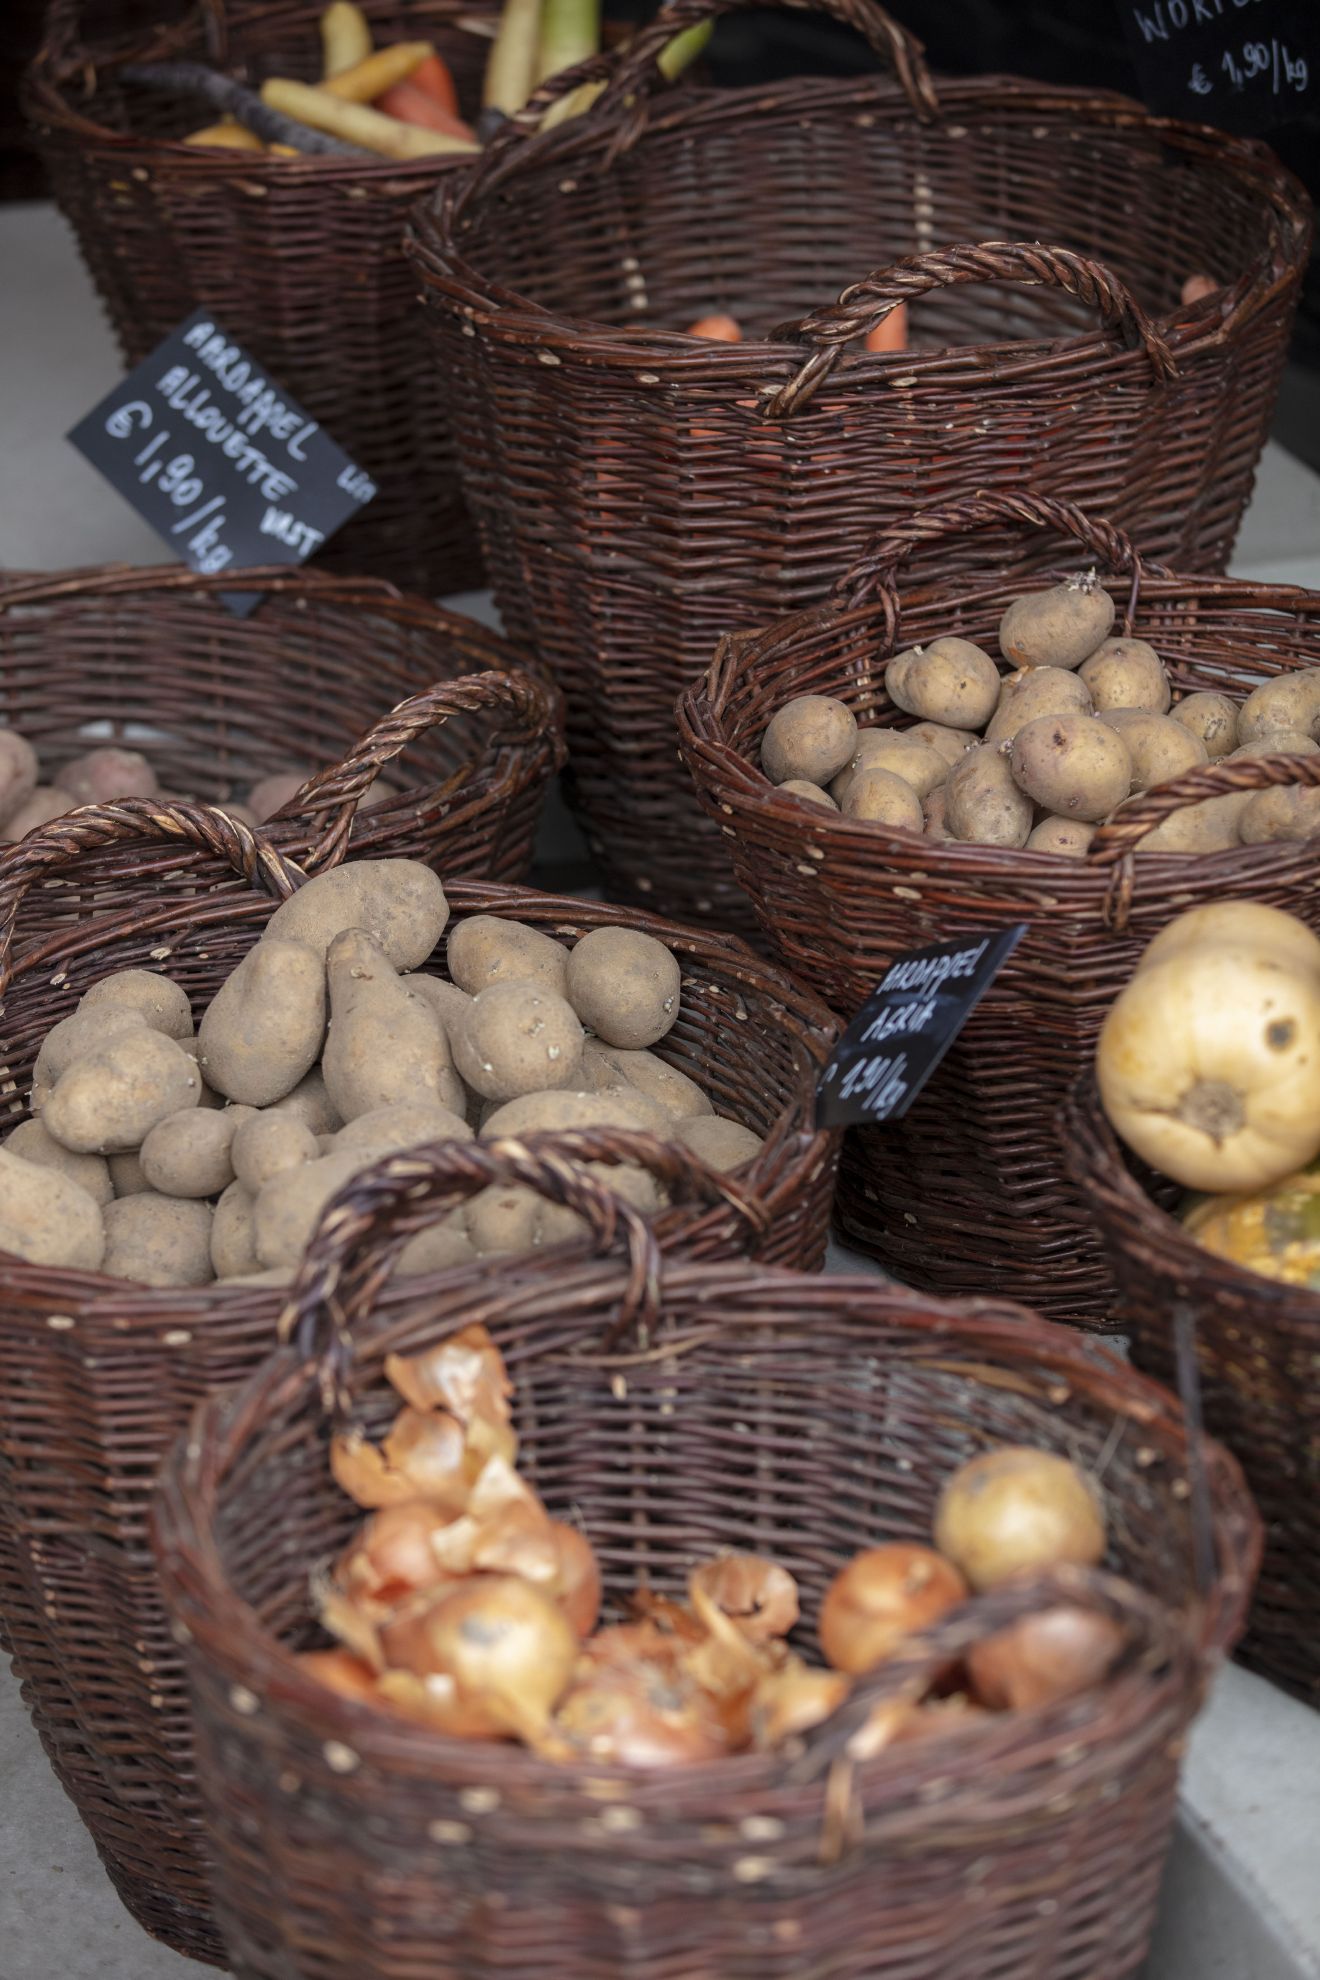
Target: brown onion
[359,1468]
[508,1647]
[1016,1509]
[881,1598]
[429,1449]
[348,1620]
[436,1701]
[341,1671]
[758,1595]
[499,1485]
[1044,1658]
[639,1717]
[791,1701]
[465,1374]
[394,1555]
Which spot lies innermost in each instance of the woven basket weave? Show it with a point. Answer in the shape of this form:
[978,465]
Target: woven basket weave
[299,259]
[641,493]
[675,1410]
[97,1375]
[969,1190]
[1257,1350]
[153,660]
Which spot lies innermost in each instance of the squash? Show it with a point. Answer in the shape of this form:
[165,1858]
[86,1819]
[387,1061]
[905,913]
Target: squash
[1275,1231]
[1245,925]
[1209,1067]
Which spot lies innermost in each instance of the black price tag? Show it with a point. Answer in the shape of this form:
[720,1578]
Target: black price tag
[905,1027]
[1245,65]
[224,465]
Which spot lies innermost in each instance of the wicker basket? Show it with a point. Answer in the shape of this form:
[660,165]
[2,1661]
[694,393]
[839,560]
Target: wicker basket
[641,493]
[675,1411]
[97,1376]
[969,1189]
[1258,1348]
[151,658]
[300,260]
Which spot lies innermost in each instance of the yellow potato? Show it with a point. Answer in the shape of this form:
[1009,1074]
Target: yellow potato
[1073,765]
[1285,812]
[1208,827]
[951,682]
[1069,836]
[934,809]
[920,767]
[1060,627]
[483,950]
[1212,717]
[983,805]
[1127,673]
[802,787]
[625,986]
[1160,748]
[1289,701]
[948,743]
[810,738]
[1037,691]
[46,1218]
[1275,742]
[881,798]
[158,1240]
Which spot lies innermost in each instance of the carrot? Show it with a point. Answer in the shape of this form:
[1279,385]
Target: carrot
[892,334]
[345,37]
[719,329]
[432,76]
[370,78]
[416,106]
[511,67]
[227,134]
[355,122]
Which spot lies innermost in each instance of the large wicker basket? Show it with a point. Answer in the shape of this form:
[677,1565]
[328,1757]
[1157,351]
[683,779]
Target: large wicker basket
[640,492]
[153,660]
[97,1375]
[300,259]
[674,1411]
[1257,1351]
[970,1190]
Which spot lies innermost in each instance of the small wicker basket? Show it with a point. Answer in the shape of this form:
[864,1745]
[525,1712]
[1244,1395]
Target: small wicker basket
[1257,1351]
[97,1376]
[970,1190]
[675,1410]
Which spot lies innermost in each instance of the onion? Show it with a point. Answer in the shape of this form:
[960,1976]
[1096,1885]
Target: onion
[639,1716]
[341,1671]
[577,1584]
[880,1599]
[345,1619]
[359,1468]
[1016,1509]
[465,1374]
[499,1485]
[429,1449]
[394,1555]
[436,1701]
[508,1648]
[758,1595]
[1044,1658]
[793,1700]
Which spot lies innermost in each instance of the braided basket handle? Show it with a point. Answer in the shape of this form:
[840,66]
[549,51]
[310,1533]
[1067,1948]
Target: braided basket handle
[868,302]
[149,821]
[352,1250]
[1157,1635]
[883,558]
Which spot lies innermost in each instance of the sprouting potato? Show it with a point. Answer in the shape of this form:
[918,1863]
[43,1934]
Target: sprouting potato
[1073,765]
[810,738]
[983,805]
[951,682]
[1060,627]
[1127,673]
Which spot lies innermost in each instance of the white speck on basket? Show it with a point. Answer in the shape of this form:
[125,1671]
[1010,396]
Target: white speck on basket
[548,357]
[340,1759]
[243,1700]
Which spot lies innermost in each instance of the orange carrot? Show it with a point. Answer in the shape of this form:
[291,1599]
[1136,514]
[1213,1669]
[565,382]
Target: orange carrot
[892,334]
[416,106]
[433,77]
[719,329]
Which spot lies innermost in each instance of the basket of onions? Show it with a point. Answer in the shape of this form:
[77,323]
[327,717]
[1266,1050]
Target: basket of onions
[674,1618]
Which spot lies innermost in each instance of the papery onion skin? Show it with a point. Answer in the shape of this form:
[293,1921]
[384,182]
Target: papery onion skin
[882,1597]
[757,1594]
[1015,1510]
[359,1469]
[639,1716]
[464,1374]
[1045,1658]
[791,1701]
[394,1554]
[428,1448]
[341,1671]
[509,1648]
[437,1702]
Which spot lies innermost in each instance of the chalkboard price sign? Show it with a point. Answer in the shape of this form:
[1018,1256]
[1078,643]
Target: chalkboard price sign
[223,464]
[905,1027]
[1245,65]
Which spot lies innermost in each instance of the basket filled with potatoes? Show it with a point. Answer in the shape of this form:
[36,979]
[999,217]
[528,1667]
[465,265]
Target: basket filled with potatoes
[1087,752]
[337,708]
[190,1084]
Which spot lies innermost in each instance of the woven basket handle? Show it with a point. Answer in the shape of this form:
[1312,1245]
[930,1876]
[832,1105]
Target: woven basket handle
[352,1251]
[1157,1635]
[868,302]
[519,700]
[43,855]
[883,558]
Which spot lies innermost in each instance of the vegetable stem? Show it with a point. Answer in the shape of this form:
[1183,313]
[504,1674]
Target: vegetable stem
[570,33]
[683,50]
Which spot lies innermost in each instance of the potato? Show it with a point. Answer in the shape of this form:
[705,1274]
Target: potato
[485,950]
[625,986]
[1284,812]
[545,1113]
[399,903]
[1212,717]
[802,787]
[270,794]
[287,1209]
[920,767]
[438,1249]
[870,744]
[809,738]
[32,1141]
[19,772]
[1127,673]
[628,1180]
[1038,691]
[880,798]
[188,1153]
[1060,627]
[406,1124]
[266,1144]
[1207,827]
[450,1004]
[46,1218]
[934,809]
[104,774]
[948,743]
[983,805]
[158,1241]
[725,1144]
[234,1234]
[504,1220]
[384,1044]
[950,682]
[1289,701]
[677,1094]
[263,1029]
[75,1036]
[311,1104]
[162,1003]
[1072,764]
[110,1099]
[1159,747]
[598,1072]
[210,1098]
[1070,836]
[126,1173]
[47,801]
[1275,742]
[519,1038]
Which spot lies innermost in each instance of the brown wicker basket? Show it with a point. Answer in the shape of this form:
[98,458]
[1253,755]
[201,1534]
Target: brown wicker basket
[640,493]
[300,259]
[674,1411]
[1257,1351]
[969,1189]
[152,659]
[97,1375]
